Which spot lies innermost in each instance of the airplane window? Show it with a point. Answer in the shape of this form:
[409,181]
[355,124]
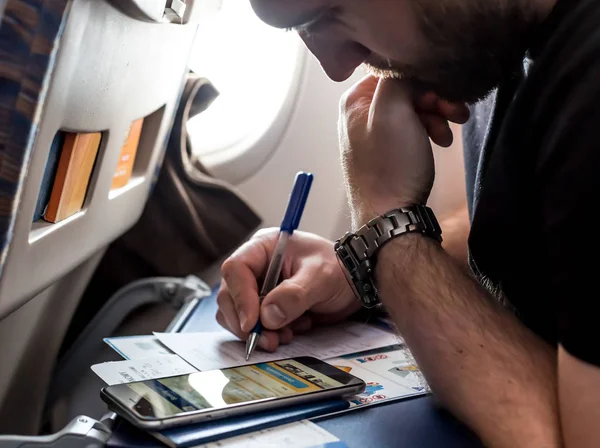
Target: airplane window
[255,69]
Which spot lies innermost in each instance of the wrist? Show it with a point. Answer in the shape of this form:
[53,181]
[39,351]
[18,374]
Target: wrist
[358,252]
[400,259]
[407,245]
[369,210]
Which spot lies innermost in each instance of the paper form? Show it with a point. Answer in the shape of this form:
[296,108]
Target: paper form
[122,372]
[138,347]
[208,351]
[378,388]
[304,434]
[393,365]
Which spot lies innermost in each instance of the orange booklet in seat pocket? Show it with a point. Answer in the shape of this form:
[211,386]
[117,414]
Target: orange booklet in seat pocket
[127,157]
[73,174]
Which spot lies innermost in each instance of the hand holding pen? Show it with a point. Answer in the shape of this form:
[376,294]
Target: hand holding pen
[290,223]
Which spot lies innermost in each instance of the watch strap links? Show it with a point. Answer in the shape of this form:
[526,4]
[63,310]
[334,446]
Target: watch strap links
[377,232]
[357,252]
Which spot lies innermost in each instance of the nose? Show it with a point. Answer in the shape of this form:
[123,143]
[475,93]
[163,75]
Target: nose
[338,58]
[278,13]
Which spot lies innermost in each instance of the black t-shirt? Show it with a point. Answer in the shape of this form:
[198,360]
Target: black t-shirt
[532,155]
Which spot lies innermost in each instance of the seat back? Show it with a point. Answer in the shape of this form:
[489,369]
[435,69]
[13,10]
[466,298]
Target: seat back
[79,66]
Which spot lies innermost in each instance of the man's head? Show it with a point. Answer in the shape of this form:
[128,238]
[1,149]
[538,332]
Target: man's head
[460,49]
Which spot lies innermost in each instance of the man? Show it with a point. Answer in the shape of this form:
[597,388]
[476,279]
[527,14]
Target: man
[511,347]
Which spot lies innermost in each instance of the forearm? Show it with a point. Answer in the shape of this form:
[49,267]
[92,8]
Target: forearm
[480,361]
[456,227]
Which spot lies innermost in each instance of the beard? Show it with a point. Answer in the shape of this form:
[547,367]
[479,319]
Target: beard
[472,47]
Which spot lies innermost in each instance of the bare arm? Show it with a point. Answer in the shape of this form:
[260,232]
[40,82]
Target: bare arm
[483,364]
[579,387]
[456,234]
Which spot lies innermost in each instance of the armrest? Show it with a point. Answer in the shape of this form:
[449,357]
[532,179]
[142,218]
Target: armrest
[175,291]
[82,431]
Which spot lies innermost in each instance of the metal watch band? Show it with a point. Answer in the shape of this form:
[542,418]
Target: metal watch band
[357,252]
[418,218]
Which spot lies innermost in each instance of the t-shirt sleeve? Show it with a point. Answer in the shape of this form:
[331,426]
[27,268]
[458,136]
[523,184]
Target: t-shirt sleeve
[568,178]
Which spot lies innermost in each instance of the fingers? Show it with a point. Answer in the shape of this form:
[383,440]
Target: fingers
[273,339]
[269,340]
[313,281]
[290,300]
[430,103]
[435,114]
[356,102]
[362,90]
[388,98]
[456,113]
[302,325]
[284,304]
[285,335]
[308,289]
[391,100]
[238,298]
[239,273]
[438,129]
[227,315]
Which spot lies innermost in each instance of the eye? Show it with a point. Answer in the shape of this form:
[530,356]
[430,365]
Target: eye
[327,18]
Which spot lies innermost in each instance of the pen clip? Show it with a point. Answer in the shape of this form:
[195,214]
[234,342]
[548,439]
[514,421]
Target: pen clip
[297,201]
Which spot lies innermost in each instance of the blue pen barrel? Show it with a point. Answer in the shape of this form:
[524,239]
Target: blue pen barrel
[273,272]
[275,266]
[291,221]
[297,201]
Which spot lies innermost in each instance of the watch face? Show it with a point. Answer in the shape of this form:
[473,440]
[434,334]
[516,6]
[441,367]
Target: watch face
[344,261]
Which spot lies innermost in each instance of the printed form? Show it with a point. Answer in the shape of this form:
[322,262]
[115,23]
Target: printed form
[122,372]
[137,347]
[210,351]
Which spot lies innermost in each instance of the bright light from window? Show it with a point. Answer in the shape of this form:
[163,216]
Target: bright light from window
[252,65]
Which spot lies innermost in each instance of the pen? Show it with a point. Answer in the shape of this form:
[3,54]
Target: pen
[290,223]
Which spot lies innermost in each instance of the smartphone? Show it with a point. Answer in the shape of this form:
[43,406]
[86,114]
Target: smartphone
[216,394]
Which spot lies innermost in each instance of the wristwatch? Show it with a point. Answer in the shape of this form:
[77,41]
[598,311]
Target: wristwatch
[357,252]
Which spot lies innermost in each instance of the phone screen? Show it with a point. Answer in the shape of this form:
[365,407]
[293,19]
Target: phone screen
[214,389]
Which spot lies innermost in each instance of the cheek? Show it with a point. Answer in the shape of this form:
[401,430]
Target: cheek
[390,30]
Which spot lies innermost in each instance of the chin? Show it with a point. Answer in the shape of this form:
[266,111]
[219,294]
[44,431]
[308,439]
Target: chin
[452,88]
[457,92]
[470,81]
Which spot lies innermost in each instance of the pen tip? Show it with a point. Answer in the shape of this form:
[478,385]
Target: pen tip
[251,345]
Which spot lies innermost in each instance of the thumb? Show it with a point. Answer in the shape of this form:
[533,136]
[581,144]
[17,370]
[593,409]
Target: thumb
[392,100]
[291,299]
[393,115]
[359,97]
[355,107]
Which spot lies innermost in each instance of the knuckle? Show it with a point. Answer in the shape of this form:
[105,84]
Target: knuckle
[298,296]
[330,270]
[272,343]
[356,94]
[266,232]
[223,288]
[222,298]
[221,319]
[348,99]
[286,335]
[238,305]
[228,266]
